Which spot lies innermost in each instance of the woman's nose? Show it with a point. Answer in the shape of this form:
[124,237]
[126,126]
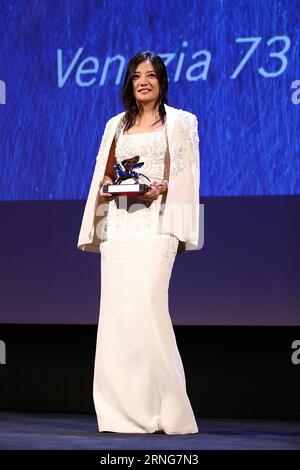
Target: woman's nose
[143,81]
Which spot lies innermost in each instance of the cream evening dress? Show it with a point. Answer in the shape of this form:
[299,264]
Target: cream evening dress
[139,379]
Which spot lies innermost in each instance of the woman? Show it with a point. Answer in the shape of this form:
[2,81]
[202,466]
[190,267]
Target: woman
[139,380]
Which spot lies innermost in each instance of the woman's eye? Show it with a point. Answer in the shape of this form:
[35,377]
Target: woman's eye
[150,75]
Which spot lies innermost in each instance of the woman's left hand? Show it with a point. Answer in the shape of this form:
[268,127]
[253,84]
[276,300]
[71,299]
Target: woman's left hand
[152,194]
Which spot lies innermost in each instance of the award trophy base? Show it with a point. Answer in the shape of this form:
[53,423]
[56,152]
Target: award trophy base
[124,189]
[127,182]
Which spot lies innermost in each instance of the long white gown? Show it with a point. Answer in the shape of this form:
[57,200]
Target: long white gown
[139,380]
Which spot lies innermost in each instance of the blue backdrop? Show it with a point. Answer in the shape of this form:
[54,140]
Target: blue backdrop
[234,63]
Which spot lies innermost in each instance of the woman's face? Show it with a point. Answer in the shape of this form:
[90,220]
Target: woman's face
[145,83]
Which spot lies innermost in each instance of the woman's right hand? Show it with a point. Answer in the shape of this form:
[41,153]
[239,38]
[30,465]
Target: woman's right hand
[106,196]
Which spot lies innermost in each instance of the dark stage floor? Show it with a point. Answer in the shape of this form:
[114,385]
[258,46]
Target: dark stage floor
[23,430]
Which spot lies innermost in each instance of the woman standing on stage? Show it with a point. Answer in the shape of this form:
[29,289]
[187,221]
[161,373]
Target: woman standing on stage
[139,379]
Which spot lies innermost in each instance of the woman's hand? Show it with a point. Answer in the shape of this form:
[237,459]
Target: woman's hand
[156,190]
[106,196]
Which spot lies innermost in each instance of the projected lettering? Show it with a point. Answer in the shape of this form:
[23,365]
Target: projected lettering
[279,55]
[296,94]
[2,92]
[87,69]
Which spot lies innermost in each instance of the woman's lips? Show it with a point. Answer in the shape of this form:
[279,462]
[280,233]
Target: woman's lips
[145,91]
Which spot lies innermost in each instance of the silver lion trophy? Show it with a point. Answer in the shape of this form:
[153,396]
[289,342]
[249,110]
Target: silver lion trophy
[124,171]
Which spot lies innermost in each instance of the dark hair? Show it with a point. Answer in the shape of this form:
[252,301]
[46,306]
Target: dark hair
[129,102]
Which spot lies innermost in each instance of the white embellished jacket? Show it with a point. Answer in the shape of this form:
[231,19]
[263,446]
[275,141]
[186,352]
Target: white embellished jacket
[181,216]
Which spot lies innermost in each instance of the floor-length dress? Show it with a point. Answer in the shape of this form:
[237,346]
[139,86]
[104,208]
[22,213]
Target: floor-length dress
[139,380]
